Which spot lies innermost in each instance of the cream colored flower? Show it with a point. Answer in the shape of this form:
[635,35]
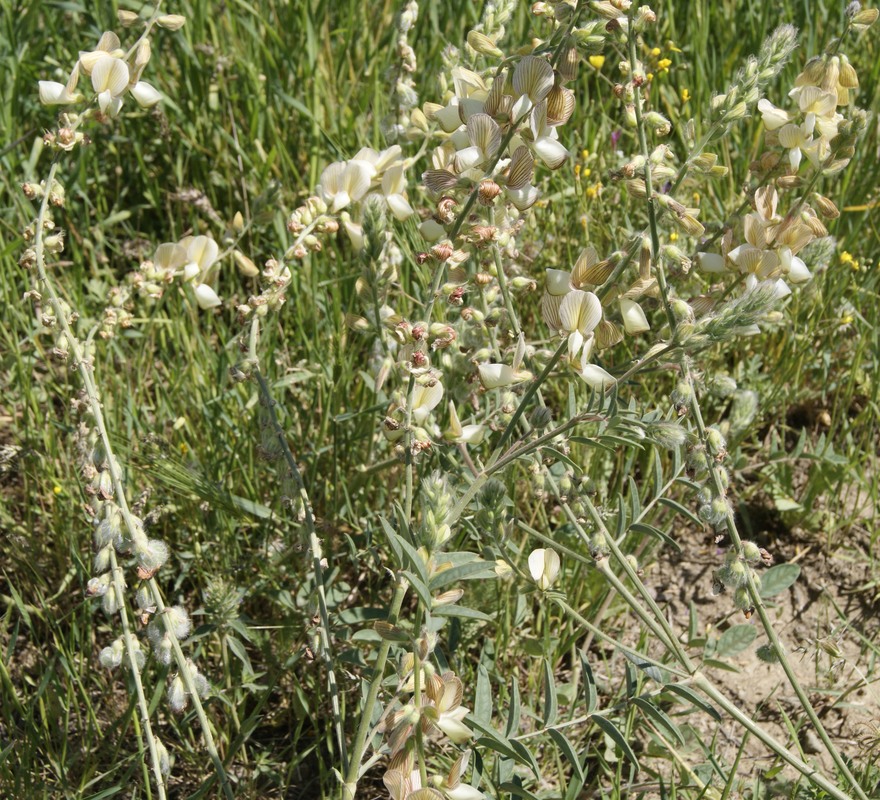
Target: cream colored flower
[544,565]
[425,400]
[579,314]
[445,711]
[532,82]
[462,434]
[496,376]
[345,182]
[201,255]
[394,189]
[110,80]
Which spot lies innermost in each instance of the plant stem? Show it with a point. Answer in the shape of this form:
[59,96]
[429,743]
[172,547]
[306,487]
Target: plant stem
[349,788]
[761,610]
[83,366]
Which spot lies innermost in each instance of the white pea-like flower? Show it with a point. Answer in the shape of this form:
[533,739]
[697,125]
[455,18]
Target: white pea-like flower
[53,93]
[544,564]
[545,139]
[579,314]
[345,182]
[532,82]
[110,79]
[518,185]
[394,189]
[496,376]
[201,254]
[145,94]
[484,138]
[463,434]
[425,400]
[596,377]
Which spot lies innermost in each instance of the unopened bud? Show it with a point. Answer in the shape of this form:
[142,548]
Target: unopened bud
[171,22]
[127,18]
[483,44]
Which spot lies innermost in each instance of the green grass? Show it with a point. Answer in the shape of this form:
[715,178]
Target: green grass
[260,97]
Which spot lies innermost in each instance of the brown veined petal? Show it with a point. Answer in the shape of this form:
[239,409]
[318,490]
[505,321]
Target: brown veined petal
[589,271]
[498,102]
[607,335]
[483,132]
[434,688]
[550,311]
[766,200]
[702,304]
[533,77]
[395,783]
[568,63]
[425,794]
[560,105]
[453,690]
[439,180]
[521,165]
[755,231]
[639,288]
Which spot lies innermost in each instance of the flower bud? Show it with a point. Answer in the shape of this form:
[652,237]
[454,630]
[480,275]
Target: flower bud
[483,45]
[176,622]
[127,18]
[865,18]
[171,22]
[751,552]
[111,657]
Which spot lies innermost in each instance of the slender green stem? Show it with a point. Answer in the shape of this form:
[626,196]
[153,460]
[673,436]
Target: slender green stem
[82,365]
[599,634]
[809,772]
[757,601]
[349,788]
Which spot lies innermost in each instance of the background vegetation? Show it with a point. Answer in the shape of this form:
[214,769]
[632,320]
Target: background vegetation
[260,97]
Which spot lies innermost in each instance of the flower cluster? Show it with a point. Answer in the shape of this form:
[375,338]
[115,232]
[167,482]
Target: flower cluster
[816,130]
[345,188]
[114,73]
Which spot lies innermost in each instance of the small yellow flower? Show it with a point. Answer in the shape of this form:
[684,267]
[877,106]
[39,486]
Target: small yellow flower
[696,198]
[655,52]
[577,170]
[184,448]
[847,319]
[846,258]
[585,154]
[587,172]
[593,191]
[685,95]
[650,76]
[664,64]
[596,62]
[673,237]
[57,489]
